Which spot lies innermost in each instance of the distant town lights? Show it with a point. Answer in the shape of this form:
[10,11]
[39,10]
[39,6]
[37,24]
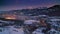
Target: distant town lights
[10,18]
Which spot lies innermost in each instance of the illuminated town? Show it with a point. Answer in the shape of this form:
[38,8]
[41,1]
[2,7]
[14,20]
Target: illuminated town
[30,17]
[29,22]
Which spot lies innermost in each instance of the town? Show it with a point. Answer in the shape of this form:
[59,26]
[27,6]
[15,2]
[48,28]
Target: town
[31,21]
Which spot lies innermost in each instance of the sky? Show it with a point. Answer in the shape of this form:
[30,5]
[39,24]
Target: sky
[6,5]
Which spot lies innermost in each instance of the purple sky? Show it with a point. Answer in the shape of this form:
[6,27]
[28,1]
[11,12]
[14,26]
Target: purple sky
[23,4]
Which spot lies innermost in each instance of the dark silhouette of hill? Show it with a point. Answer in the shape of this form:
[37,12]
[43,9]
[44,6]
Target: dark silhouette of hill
[55,6]
[54,11]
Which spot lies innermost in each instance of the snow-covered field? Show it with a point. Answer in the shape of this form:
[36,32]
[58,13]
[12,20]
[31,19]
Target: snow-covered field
[11,30]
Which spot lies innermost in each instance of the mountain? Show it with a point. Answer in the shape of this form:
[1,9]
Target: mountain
[55,6]
[26,12]
[54,11]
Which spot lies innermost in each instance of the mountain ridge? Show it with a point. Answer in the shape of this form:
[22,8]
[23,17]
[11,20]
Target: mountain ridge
[51,11]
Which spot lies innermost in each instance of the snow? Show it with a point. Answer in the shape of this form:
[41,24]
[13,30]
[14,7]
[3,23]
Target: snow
[53,30]
[12,30]
[39,31]
[30,21]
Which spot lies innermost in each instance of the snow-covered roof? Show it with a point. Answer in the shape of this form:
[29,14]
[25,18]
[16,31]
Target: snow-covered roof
[30,21]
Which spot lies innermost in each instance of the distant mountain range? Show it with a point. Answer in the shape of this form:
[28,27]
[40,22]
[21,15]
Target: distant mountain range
[52,11]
